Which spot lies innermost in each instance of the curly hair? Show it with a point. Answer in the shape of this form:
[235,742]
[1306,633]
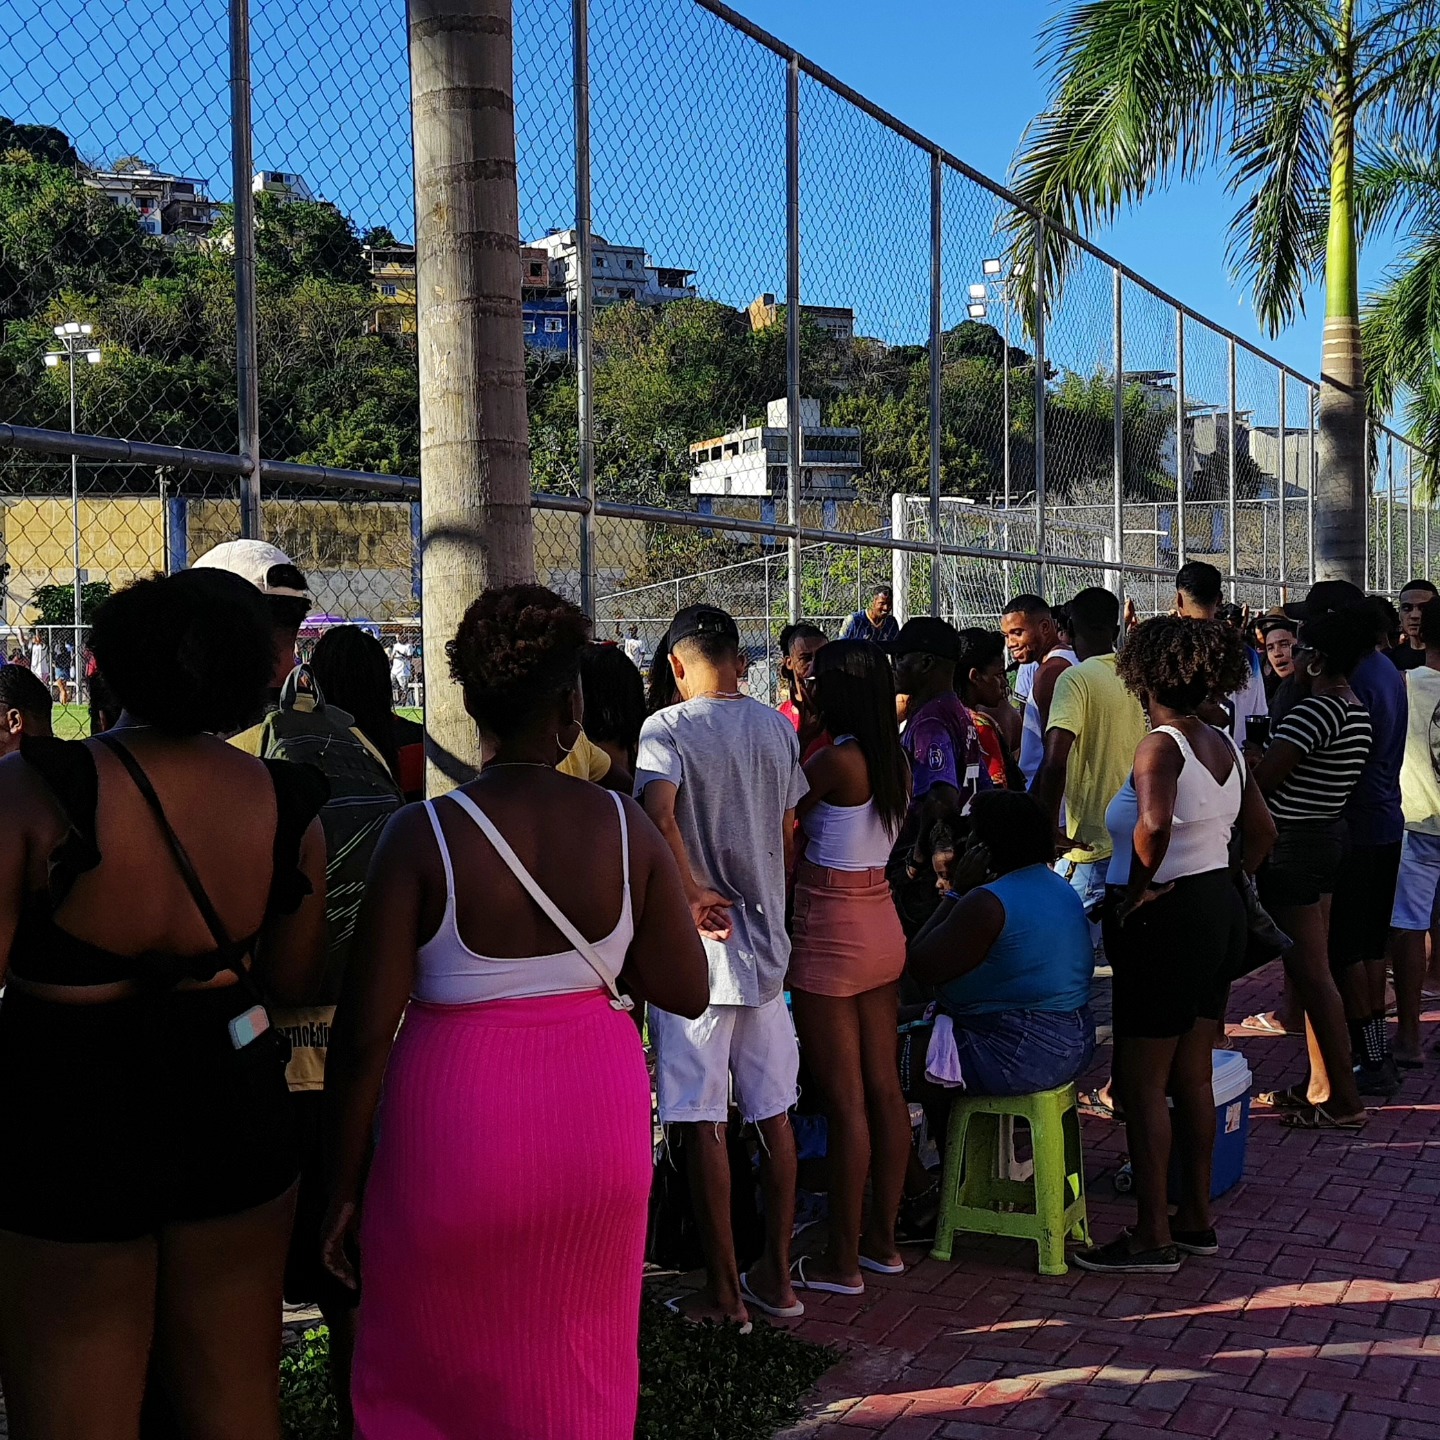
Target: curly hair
[516,650]
[1182,663]
[187,653]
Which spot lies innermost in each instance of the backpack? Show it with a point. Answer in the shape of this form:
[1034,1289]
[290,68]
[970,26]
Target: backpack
[363,796]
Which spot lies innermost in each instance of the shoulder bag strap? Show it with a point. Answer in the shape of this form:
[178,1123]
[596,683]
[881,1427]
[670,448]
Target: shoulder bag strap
[182,860]
[561,922]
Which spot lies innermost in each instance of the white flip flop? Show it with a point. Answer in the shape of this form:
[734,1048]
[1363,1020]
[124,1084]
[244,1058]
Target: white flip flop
[830,1287]
[673,1306]
[780,1312]
[866,1263]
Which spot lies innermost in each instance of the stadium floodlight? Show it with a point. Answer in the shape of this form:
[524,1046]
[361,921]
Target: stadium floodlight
[979,292]
[92,357]
[72,327]
[992,267]
[976,310]
[53,359]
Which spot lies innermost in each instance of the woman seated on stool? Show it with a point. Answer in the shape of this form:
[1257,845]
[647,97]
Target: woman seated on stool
[1009,952]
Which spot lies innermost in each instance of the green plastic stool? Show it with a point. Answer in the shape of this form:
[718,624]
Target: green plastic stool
[974,1196]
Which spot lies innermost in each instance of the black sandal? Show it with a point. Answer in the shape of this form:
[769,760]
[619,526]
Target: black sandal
[1293,1097]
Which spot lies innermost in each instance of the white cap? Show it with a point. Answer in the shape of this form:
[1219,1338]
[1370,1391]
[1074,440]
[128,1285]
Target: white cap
[251,560]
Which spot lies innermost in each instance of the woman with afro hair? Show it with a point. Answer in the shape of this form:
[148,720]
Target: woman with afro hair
[1173,925]
[501,1225]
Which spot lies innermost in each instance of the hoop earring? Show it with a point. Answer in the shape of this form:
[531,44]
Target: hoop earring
[563,747]
[1314,669]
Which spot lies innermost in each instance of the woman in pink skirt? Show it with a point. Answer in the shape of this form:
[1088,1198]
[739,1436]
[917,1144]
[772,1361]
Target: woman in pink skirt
[847,958]
[498,1237]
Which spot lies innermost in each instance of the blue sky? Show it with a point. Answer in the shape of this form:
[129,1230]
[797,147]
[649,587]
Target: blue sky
[688,140]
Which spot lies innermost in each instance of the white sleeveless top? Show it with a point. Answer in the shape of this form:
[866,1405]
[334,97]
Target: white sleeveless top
[846,837]
[448,972]
[1205,812]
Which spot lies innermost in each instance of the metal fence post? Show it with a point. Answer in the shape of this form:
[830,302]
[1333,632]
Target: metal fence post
[1284,542]
[1181,541]
[1389,515]
[936,361]
[1409,511]
[247,364]
[1119,435]
[1039,302]
[792,324]
[1310,489]
[584,305]
[1230,509]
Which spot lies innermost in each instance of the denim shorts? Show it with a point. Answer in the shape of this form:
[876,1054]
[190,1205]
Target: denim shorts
[1017,1052]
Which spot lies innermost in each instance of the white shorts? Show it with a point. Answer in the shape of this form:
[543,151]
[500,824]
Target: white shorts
[1419,883]
[696,1061]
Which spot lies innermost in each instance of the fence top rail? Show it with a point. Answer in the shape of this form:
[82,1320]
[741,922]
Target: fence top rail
[763,37]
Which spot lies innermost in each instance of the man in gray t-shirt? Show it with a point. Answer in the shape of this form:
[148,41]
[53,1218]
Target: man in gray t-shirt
[720,775]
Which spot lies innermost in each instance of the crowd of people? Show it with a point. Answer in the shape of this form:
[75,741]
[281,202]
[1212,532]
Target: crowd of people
[389,1058]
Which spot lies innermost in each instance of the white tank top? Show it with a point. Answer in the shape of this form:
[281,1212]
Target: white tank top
[1205,813]
[846,837]
[448,972]
[1032,737]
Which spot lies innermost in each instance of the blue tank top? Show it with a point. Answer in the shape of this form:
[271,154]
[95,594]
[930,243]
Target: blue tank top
[1043,959]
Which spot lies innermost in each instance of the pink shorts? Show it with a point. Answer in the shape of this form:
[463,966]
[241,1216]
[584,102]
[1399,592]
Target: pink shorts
[847,936]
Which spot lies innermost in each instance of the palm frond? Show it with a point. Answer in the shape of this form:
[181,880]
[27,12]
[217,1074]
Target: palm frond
[1397,73]
[1142,92]
[1395,182]
[1281,152]
[1400,339]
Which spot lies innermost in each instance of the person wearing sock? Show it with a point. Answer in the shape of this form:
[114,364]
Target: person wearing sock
[1415,894]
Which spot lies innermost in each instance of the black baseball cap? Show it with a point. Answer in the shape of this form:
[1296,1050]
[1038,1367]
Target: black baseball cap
[703,620]
[925,635]
[1324,597]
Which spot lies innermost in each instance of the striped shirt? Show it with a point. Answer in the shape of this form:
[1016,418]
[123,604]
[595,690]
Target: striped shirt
[1334,740]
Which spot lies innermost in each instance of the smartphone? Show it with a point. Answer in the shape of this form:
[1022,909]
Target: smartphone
[1257,731]
[247,1028]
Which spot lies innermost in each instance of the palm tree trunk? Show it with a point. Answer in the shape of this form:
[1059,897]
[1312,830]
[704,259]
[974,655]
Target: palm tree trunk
[474,432]
[1340,485]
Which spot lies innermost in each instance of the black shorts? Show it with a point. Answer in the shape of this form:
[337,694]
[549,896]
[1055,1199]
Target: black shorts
[1364,898]
[1169,959]
[307,1281]
[123,1118]
[1305,863]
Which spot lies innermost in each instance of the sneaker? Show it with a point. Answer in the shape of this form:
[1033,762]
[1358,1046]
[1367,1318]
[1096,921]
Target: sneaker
[1117,1258]
[1196,1242]
[1381,1080]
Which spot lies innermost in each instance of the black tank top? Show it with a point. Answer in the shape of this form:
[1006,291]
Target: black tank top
[42,952]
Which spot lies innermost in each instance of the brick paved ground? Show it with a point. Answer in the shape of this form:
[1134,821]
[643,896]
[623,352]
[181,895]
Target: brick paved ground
[1320,1317]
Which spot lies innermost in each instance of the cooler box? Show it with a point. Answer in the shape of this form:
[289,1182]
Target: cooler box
[1231,1082]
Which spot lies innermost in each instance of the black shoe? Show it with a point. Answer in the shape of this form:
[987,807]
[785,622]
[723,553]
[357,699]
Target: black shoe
[1382,1079]
[1196,1242]
[1117,1258]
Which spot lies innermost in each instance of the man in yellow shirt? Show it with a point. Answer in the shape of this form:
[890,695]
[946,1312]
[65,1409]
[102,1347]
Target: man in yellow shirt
[1095,727]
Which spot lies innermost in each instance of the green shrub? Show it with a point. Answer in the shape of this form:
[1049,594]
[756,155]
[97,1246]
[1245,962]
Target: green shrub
[695,1380]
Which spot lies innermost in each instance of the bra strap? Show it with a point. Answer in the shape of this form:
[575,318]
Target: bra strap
[561,922]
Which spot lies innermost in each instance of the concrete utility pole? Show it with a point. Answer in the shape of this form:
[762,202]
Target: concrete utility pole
[474,432]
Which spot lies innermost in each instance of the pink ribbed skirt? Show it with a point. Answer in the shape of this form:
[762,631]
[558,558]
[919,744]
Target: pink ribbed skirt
[503,1234]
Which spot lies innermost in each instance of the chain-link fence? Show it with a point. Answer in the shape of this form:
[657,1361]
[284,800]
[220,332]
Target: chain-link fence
[813,369]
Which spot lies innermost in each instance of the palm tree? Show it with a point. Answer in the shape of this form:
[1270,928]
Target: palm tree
[1277,94]
[474,432]
[1401,323]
